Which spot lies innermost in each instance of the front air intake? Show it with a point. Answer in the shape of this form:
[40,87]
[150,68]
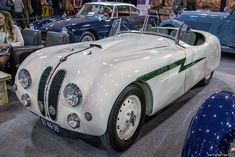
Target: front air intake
[42,88]
[54,93]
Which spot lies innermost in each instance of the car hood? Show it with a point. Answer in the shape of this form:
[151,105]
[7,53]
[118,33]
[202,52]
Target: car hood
[56,26]
[119,46]
[111,50]
[197,14]
[41,23]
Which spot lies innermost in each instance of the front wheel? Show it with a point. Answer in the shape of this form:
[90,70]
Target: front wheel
[126,119]
[87,36]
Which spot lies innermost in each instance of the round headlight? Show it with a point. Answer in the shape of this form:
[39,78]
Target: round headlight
[25,100]
[52,111]
[72,94]
[24,78]
[73,120]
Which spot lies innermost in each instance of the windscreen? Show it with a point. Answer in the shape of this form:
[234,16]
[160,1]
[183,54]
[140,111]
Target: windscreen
[90,10]
[141,24]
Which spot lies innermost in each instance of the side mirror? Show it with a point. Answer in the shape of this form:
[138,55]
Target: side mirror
[183,28]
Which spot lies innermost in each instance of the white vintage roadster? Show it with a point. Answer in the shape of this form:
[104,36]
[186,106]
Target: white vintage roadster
[105,88]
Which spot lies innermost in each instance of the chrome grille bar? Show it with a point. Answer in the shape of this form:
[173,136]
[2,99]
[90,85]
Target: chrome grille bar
[41,89]
[54,93]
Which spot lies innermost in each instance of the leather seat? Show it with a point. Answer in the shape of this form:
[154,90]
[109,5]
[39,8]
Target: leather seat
[200,41]
[55,38]
[31,37]
[32,41]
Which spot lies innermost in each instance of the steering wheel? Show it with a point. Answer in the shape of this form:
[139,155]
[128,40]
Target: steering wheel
[125,25]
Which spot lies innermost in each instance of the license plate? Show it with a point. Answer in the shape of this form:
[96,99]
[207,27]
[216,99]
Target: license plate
[50,125]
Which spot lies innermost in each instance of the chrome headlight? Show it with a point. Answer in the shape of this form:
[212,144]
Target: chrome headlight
[24,78]
[72,94]
[73,120]
[25,100]
[64,30]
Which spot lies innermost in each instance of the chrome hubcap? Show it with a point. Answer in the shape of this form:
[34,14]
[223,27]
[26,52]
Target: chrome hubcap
[128,117]
[87,38]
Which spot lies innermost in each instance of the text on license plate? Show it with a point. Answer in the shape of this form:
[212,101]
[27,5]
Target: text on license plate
[50,125]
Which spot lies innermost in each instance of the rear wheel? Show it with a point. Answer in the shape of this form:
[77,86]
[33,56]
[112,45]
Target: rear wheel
[126,119]
[87,36]
[205,81]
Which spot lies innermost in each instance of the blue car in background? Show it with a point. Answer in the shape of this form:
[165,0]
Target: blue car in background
[92,22]
[221,24]
[38,24]
[212,129]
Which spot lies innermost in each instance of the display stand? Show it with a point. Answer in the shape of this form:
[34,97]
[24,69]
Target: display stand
[3,87]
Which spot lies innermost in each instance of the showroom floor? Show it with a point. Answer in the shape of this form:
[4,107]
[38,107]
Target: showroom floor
[22,135]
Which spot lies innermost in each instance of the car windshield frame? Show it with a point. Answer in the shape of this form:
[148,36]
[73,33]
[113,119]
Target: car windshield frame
[117,27]
[85,10]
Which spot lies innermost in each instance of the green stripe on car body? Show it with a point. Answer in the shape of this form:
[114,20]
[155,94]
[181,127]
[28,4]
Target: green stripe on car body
[166,68]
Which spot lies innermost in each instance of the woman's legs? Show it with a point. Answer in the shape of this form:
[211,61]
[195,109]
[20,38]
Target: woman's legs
[3,62]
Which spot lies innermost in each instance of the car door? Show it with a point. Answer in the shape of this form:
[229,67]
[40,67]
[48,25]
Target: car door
[103,26]
[170,82]
[228,34]
[195,64]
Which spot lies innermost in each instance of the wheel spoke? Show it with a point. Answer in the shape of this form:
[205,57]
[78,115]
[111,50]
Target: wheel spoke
[87,38]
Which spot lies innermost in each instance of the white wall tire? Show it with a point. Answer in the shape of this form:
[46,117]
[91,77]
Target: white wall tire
[126,119]
[87,36]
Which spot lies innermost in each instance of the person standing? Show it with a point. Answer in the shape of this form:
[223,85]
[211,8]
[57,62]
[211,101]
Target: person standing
[56,7]
[191,5]
[223,5]
[77,4]
[179,6]
[7,5]
[10,36]
[18,6]
[36,7]
[27,10]
[69,8]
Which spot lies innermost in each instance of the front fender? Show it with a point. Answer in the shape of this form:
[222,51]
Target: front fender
[212,129]
[171,23]
[102,96]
